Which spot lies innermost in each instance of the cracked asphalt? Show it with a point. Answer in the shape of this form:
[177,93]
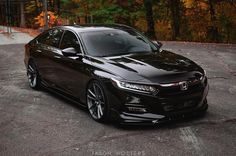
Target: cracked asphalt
[41,123]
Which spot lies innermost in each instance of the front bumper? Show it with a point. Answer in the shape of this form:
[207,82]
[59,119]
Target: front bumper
[156,112]
[150,118]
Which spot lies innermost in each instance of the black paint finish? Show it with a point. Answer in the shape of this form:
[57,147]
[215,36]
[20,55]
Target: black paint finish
[70,76]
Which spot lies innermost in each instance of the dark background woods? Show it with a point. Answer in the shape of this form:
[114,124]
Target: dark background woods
[188,20]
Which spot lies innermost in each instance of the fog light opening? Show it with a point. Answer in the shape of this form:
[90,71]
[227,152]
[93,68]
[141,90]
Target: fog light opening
[155,121]
[137,109]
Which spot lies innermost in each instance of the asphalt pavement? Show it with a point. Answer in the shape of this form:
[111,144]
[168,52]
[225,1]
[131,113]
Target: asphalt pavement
[41,123]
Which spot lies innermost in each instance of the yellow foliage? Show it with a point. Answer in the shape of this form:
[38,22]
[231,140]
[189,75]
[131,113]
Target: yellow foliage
[190,3]
[52,19]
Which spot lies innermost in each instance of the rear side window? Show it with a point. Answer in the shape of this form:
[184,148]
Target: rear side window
[52,37]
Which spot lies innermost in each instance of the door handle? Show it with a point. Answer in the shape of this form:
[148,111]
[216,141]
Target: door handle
[58,57]
[39,51]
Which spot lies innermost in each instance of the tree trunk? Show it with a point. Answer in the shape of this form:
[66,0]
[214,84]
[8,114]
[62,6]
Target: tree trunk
[50,5]
[175,21]
[58,6]
[37,6]
[212,10]
[22,15]
[149,18]
[213,34]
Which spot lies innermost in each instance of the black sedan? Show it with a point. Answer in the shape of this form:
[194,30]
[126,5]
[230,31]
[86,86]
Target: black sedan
[117,73]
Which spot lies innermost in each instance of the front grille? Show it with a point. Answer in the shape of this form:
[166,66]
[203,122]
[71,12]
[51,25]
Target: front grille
[176,91]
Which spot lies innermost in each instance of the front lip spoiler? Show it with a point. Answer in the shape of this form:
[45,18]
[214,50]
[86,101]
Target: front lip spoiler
[152,119]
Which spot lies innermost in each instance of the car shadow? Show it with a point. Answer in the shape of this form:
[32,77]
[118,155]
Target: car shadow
[131,127]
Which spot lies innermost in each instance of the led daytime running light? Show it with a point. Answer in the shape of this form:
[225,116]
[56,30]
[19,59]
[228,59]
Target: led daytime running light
[135,87]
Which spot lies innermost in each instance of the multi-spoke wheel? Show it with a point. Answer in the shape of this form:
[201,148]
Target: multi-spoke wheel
[33,77]
[96,101]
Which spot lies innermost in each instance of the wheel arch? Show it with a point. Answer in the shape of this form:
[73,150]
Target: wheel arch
[99,81]
[31,60]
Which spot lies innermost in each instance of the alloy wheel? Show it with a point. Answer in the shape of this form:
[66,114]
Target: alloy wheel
[32,76]
[96,101]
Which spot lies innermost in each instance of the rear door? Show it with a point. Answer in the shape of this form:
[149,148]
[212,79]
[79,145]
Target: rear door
[45,53]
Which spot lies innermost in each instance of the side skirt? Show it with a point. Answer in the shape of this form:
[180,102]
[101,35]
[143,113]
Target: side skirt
[61,93]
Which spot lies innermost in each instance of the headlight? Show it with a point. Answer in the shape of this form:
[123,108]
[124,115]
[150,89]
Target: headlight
[135,87]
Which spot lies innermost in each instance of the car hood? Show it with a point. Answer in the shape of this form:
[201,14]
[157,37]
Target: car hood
[162,67]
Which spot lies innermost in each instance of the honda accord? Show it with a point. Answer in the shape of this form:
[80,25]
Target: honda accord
[117,73]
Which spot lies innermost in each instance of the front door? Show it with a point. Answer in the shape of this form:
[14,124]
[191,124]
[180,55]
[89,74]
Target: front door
[71,74]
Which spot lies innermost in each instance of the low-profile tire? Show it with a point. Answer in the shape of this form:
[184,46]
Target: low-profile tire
[97,103]
[33,76]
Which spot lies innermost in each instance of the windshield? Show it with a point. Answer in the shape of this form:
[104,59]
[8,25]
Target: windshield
[116,42]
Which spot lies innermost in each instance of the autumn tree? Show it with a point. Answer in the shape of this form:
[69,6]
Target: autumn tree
[212,30]
[192,20]
[175,8]
[149,17]
[32,9]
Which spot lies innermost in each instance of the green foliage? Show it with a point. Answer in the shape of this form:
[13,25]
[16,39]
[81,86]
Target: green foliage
[109,13]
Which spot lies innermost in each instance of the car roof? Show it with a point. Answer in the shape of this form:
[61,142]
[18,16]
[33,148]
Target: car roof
[95,27]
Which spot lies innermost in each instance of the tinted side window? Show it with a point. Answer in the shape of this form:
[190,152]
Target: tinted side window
[69,40]
[43,37]
[52,37]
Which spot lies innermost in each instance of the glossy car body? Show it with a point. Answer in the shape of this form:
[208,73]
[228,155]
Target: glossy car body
[177,86]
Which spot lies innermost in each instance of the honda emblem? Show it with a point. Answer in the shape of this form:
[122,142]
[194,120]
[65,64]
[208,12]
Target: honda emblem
[183,85]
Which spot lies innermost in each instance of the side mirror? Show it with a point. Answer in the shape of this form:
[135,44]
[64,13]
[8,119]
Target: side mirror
[157,44]
[71,51]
